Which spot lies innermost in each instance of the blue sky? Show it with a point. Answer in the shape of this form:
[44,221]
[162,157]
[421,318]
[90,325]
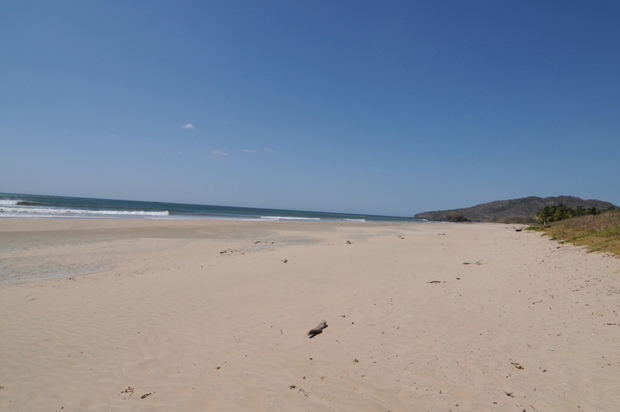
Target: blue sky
[378,107]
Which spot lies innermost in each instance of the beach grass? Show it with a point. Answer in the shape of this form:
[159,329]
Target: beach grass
[599,233]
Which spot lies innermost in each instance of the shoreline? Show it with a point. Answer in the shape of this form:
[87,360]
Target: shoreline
[52,237]
[63,207]
[211,315]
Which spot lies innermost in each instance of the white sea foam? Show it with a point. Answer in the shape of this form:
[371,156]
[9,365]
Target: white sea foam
[6,202]
[60,212]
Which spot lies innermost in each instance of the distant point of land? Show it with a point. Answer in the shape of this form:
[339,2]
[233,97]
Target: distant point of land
[520,210]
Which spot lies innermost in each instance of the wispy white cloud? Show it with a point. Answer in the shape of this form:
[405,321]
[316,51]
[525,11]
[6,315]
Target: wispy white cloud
[217,152]
[187,126]
[249,151]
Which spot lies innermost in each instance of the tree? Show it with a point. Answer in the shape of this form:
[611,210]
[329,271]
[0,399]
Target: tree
[560,212]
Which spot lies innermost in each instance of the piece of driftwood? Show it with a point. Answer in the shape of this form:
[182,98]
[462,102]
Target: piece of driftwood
[474,263]
[318,329]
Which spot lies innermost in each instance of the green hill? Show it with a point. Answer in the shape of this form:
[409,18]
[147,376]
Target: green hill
[511,211]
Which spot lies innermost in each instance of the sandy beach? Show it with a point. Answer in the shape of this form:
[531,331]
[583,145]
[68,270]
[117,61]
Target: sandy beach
[175,315]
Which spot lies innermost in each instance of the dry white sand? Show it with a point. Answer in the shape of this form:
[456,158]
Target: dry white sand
[170,323]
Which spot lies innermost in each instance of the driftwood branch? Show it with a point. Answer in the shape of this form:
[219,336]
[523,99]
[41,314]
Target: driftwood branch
[318,329]
[474,263]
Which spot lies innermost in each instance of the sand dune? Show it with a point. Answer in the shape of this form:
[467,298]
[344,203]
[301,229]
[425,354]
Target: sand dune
[206,315]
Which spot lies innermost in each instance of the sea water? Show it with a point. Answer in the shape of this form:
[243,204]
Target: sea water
[62,207]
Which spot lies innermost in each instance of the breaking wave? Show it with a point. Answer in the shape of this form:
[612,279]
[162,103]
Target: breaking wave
[8,210]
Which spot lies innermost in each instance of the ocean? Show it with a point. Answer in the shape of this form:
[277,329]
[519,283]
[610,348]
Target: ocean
[62,207]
